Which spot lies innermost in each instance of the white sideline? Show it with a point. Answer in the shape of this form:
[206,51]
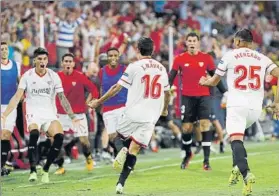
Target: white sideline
[143,170]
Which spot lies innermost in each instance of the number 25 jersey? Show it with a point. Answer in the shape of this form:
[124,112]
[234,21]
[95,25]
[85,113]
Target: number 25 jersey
[146,81]
[246,70]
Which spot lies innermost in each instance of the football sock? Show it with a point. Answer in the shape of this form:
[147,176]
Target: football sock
[186,143]
[127,168]
[206,143]
[32,149]
[240,157]
[86,150]
[54,150]
[69,146]
[5,148]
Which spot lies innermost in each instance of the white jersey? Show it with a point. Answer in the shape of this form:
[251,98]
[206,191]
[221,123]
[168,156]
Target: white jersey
[246,71]
[146,81]
[40,92]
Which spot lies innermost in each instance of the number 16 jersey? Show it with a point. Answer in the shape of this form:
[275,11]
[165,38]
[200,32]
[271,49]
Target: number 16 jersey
[146,81]
[246,70]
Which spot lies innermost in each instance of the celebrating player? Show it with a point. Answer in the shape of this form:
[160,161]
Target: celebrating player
[246,69]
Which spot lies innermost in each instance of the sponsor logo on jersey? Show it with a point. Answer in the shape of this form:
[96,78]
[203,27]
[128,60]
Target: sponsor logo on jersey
[186,65]
[41,91]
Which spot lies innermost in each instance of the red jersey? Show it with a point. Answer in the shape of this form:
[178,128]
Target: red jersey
[193,67]
[74,86]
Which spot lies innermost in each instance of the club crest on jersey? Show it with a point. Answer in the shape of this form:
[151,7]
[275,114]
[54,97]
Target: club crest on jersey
[74,83]
[201,64]
[186,65]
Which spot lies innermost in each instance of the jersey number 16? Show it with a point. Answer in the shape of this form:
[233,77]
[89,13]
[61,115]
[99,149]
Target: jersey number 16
[152,88]
[254,79]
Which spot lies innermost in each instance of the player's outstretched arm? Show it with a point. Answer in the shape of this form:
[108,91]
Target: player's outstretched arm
[172,76]
[210,81]
[14,102]
[110,93]
[66,105]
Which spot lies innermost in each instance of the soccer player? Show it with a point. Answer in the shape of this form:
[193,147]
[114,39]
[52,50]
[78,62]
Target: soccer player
[147,84]
[40,85]
[112,109]
[245,69]
[10,73]
[74,84]
[196,100]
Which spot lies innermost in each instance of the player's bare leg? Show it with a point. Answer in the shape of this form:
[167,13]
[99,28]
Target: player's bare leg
[129,164]
[175,129]
[32,150]
[206,142]
[5,148]
[55,130]
[240,164]
[153,143]
[186,143]
[86,152]
[219,131]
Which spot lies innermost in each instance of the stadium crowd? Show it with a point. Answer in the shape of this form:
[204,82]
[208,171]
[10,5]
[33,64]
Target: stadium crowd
[89,29]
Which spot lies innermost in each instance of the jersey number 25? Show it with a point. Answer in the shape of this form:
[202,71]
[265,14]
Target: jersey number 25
[152,88]
[254,79]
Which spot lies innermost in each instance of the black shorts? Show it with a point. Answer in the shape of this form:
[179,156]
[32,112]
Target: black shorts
[195,108]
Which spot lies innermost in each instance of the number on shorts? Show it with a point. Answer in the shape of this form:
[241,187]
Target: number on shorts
[152,89]
[252,74]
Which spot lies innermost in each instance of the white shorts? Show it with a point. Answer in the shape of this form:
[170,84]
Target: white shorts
[111,119]
[43,122]
[239,119]
[10,120]
[139,132]
[67,124]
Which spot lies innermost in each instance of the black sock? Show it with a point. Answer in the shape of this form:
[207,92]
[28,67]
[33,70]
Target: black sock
[60,162]
[199,144]
[112,144]
[32,149]
[186,143]
[5,149]
[86,150]
[119,144]
[206,143]
[240,157]
[68,147]
[127,142]
[54,150]
[127,168]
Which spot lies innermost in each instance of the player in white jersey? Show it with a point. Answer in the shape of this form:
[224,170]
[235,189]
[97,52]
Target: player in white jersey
[148,96]
[40,85]
[245,69]
[10,73]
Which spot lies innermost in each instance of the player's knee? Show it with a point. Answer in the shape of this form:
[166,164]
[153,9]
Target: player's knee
[6,135]
[205,125]
[187,128]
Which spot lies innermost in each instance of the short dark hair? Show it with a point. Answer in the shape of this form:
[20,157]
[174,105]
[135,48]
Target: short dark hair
[193,34]
[68,54]
[244,35]
[111,49]
[40,51]
[3,43]
[145,46]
